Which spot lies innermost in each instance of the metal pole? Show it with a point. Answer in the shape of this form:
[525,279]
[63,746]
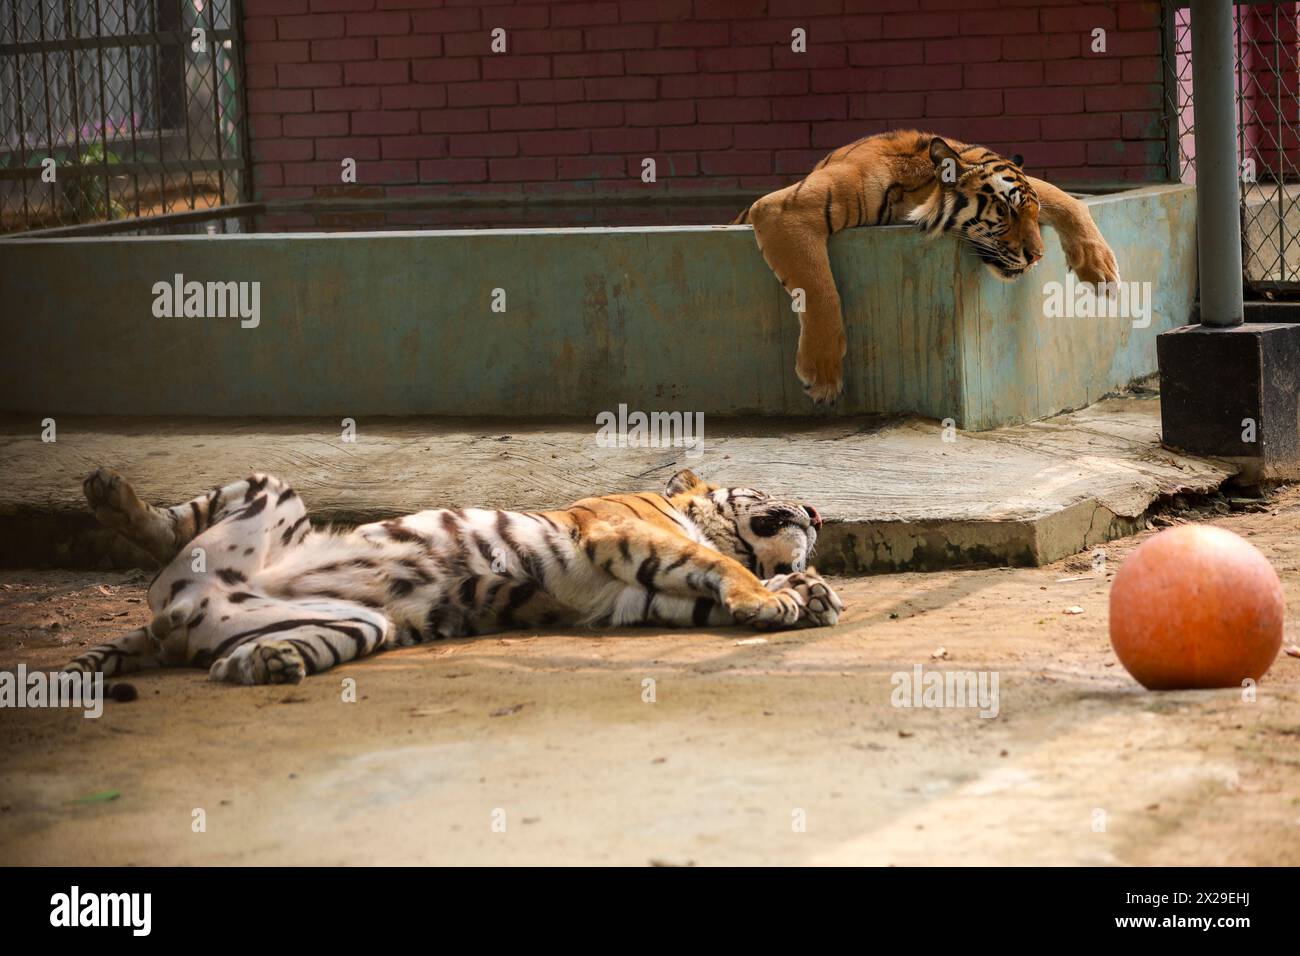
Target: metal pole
[1218,217]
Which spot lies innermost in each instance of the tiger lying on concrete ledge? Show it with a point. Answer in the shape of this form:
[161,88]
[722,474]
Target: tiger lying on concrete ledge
[942,186]
[278,600]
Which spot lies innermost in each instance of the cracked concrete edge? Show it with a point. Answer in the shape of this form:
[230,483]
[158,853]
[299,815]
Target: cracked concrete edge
[1080,527]
[870,547]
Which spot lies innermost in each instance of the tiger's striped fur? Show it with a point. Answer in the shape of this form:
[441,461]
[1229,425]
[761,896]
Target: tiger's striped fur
[276,600]
[896,177]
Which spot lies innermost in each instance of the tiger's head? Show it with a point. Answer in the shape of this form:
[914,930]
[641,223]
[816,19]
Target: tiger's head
[768,535]
[987,202]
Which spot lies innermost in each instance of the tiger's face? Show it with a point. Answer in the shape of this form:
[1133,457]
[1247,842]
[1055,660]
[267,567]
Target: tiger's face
[768,535]
[987,202]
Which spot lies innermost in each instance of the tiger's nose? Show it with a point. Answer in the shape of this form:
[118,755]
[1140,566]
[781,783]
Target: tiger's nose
[813,516]
[1033,255]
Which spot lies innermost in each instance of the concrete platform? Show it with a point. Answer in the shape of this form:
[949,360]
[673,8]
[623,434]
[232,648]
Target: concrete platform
[545,323]
[895,493]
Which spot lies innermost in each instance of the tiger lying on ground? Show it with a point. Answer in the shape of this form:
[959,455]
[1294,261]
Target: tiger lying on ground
[278,600]
[897,177]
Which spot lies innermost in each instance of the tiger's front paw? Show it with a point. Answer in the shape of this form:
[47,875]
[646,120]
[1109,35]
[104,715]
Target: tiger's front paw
[821,606]
[766,610]
[820,366]
[1093,261]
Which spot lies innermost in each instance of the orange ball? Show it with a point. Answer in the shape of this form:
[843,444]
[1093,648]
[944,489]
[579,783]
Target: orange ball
[1196,606]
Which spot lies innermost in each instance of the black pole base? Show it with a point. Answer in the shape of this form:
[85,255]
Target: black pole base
[1259,312]
[1234,393]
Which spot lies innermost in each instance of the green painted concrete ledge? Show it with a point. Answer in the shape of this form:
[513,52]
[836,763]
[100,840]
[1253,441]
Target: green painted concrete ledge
[657,318]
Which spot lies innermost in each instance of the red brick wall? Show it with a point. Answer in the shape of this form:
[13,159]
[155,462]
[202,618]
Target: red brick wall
[1268,49]
[708,88]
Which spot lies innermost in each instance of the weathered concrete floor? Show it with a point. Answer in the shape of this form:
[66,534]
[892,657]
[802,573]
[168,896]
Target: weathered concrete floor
[895,493]
[784,752]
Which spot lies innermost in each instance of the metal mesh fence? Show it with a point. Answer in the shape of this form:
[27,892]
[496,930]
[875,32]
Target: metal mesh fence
[1268,120]
[137,103]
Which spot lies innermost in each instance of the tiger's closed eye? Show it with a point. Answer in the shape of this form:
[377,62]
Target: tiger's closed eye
[766,525]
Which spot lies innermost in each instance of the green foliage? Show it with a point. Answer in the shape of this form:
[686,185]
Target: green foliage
[86,197]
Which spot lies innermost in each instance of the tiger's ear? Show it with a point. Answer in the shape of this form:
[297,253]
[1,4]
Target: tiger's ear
[947,164]
[685,481]
[1018,160]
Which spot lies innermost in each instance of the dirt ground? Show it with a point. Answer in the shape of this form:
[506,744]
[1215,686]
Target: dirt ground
[542,749]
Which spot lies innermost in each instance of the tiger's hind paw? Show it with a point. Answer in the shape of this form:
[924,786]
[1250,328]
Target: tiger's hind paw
[112,499]
[270,662]
[116,506]
[278,662]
